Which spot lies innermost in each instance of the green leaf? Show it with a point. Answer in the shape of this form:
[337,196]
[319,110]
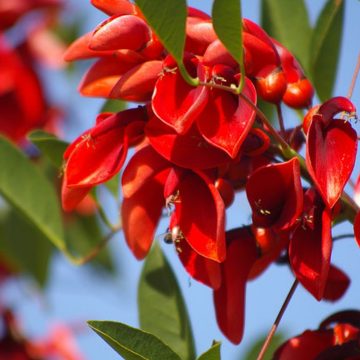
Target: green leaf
[227,22]
[82,235]
[257,344]
[27,249]
[212,354]
[325,47]
[168,20]
[113,105]
[288,22]
[52,147]
[161,307]
[29,192]
[131,343]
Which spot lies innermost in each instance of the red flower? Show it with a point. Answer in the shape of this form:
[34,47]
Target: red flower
[331,149]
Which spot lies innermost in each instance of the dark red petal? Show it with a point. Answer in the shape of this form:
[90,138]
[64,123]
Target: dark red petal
[330,157]
[229,299]
[176,102]
[121,32]
[336,285]
[189,150]
[310,252]
[335,105]
[227,119]
[200,268]
[141,212]
[351,317]
[202,216]
[357,228]
[275,195]
[138,83]
[114,7]
[102,76]
[305,346]
[144,165]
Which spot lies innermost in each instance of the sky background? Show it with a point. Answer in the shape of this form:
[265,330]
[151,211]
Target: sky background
[76,294]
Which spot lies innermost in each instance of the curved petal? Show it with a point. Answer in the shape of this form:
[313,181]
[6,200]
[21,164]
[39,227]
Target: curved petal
[189,150]
[121,32]
[114,7]
[275,195]
[175,102]
[141,212]
[227,119]
[336,285]
[330,157]
[201,216]
[145,164]
[138,83]
[310,250]
[229,299]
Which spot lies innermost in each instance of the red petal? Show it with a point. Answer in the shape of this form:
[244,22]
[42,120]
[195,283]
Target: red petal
[357,228]
[275,195]
[310,251]
[141,213]
[176,102]
[305,346]
[200,268]
[330,157]
[121,32]
[71,197]
[201,216]
[216,53]
[335,105]
[227,119]
[138,83]
[336,285]
[145,164]
[102,76]
[114,7]
[189,150]
[229,299]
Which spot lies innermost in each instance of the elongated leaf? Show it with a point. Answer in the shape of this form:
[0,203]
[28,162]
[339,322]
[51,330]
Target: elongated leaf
[227,22]
[288,22]
[29,192]
[325,47]
[168,19]
[52,147]
[131,343]
[83,234]
[212,354]
[24,246]
[161,306]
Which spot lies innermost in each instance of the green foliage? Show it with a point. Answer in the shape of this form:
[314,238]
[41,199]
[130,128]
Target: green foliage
[131,343]
[30,193]
[212,354]
[83,234]
[227,21]
[325,46]
[113,105]
[168,20]
[288,22]
[50,146]
[25,247]
[161,307]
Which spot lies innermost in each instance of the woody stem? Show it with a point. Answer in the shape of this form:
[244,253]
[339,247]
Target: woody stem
[277,320]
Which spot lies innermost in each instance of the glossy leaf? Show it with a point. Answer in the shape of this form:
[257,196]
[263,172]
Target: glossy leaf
[132,343]
[52,147]
[227,22]
[28,191]
[213,353]
[288,22]
[161,306]
[25,246]
[325,46]
[167,18]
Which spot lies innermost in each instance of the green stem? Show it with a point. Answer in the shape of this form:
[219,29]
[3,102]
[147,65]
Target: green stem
[186,76]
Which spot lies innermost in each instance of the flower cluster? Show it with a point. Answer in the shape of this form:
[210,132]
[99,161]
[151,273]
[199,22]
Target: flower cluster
[196,146]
